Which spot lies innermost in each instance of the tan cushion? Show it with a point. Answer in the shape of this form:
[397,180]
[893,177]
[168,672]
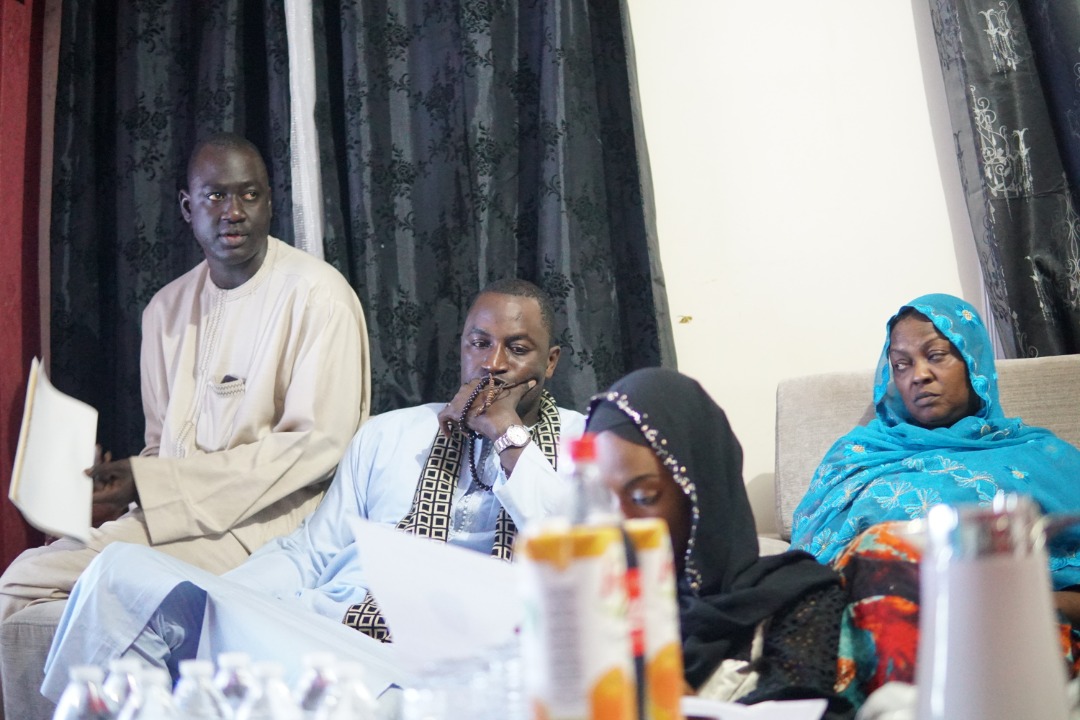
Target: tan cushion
[1045,392]
[25,638]
[813,411]
[771,545]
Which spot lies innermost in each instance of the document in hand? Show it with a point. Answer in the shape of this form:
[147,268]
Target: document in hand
[56,443]
[441,602]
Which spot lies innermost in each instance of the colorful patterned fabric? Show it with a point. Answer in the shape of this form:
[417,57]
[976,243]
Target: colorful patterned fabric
[879,629]
[892,469]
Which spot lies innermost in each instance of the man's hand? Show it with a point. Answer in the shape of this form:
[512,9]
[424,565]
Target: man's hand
[493,410]
[114,488]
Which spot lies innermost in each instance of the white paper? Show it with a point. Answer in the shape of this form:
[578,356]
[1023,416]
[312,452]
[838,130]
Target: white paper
[56,444]
[440,602]
[695,707]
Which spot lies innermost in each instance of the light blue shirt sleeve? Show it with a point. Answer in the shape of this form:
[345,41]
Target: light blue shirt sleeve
[320,565]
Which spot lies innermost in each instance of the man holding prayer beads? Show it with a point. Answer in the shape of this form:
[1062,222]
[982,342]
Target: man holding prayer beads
[468,472]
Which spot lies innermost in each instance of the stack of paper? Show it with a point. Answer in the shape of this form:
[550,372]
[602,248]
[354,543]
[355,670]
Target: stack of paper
[56,444]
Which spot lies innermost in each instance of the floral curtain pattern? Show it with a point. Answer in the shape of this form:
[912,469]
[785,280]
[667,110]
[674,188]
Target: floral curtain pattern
[468,141]
[1012,77]
[459,142]
[138,82]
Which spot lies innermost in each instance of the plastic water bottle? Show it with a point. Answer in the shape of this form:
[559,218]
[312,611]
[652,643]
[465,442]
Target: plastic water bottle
[234,678]
[349,698]
[316,681]
[153,700]
[122,681]
[594,503]
[83,698]
[505,672]
[196,696]
[270,698]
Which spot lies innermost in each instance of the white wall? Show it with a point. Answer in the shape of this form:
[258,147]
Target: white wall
[805,188]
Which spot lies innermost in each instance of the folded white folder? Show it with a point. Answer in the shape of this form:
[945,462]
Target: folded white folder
[56,444]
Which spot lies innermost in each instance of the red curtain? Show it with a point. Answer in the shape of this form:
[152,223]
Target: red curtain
[21,27]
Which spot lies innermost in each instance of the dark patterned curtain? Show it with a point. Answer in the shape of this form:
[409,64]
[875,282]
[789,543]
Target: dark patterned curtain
[138,82]
[1012,76]
[460,142]
[472,140]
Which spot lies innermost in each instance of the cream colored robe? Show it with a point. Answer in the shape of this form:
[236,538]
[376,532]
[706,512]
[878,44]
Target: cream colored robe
[251,396]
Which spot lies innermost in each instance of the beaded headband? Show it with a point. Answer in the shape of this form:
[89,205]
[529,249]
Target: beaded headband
[658,443]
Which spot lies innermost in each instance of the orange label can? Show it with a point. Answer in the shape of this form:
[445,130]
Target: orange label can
[575,634]
[660,613]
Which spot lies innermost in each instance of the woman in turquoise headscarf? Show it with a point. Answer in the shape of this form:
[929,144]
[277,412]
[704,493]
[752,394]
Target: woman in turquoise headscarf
[940,436]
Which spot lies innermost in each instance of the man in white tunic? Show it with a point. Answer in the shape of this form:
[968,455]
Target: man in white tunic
[495,448]
[255,375]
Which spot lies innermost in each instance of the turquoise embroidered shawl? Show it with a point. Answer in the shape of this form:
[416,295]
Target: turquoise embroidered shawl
[892,469]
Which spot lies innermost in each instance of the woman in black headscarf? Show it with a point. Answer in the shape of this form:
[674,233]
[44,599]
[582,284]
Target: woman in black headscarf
[754,628]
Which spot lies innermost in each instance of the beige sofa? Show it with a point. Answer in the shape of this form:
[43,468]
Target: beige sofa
[25,638]
[814,410]
[811,413]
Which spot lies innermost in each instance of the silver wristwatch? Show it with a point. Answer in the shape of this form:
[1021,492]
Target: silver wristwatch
[515,436]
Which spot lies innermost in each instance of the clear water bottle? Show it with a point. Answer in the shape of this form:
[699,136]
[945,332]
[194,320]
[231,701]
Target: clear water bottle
[83,698]
[153,700]
[196,696]
[594,503]
[270,698]
[316,680]
[122,681]
[451,690]
[505,674]
[349,698]
[234,678]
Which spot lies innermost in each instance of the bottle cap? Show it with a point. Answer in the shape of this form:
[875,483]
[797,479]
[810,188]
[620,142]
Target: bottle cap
[234,658]
[196,668]
[156,676]
[352,671]
[583,449]
[268,669]
[85,673]
[318,659]
[125,664]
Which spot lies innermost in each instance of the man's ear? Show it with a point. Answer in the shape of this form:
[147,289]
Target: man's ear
[185,205]
[553,360]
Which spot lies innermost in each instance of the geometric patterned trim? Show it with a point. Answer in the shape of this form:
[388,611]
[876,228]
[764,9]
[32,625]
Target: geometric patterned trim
[430,512]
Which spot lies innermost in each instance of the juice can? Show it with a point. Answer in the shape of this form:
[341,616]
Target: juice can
[575,634]
[663,671]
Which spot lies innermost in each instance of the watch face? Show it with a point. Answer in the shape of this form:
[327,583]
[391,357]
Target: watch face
[517,434]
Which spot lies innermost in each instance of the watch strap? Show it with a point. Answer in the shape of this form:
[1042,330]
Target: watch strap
[504,441]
